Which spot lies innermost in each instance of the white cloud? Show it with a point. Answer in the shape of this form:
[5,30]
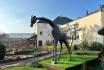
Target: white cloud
[13,24]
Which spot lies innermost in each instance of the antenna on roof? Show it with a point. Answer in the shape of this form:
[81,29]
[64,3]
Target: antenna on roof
[100,7]
[87,12]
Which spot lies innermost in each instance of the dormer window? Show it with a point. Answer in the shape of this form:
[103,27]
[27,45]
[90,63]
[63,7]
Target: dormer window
[41,32]
[76,25]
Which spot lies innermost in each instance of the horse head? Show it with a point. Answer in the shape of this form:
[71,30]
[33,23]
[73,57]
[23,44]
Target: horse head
[33,20]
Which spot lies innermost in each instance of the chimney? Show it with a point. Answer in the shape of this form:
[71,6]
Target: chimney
[101,7]
[87,13]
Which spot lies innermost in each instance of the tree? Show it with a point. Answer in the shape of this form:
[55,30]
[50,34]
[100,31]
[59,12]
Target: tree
[2,51]
[95,46]
[4,35]
[2,47]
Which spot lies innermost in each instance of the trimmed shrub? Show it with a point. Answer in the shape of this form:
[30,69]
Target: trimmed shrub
[35,64]
[95,46]
[2,51]
[48,43]
[75,47]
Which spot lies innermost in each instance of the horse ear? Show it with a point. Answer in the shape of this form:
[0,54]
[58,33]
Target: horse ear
[31,16]
[34,17]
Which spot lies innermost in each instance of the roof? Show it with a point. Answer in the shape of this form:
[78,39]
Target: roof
[62,20]
[19,35]
[90,13]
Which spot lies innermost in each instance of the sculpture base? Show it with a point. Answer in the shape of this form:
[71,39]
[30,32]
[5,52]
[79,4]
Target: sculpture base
[53,62]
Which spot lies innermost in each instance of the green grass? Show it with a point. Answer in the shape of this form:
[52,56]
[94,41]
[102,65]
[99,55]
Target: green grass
[86,51]
[58,46]
[23,68]
[64,61]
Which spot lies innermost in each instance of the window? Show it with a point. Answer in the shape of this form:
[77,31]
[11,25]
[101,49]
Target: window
[76,25]
[40,42]
[75,37]
[41,32]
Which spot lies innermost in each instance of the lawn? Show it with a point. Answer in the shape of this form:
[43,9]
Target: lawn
[86,51]
[64,61]
[24,68]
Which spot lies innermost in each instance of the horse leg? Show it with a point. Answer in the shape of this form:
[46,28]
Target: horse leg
[55,51]
[69,50]
[60,49]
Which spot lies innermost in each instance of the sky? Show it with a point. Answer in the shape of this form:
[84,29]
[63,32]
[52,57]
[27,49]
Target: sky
[15,14]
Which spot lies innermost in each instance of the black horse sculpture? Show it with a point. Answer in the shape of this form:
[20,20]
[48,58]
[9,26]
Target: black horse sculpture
[57,34]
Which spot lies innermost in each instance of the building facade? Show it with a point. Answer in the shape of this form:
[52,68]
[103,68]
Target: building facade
[43,31]
[90,23]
